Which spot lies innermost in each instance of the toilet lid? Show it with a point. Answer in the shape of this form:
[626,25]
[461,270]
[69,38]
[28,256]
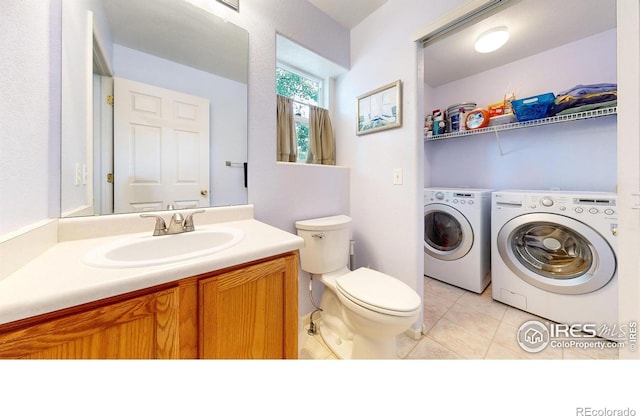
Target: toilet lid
[378,291]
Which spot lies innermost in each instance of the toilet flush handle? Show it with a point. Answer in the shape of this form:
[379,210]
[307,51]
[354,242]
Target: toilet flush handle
[318,235]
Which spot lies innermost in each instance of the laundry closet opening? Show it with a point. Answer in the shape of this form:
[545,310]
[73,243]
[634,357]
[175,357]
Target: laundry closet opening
[574,155]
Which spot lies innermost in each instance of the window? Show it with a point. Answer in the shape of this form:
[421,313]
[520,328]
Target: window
[305,90]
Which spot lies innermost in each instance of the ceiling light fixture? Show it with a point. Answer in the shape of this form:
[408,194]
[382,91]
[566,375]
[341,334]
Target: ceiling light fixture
[492,39]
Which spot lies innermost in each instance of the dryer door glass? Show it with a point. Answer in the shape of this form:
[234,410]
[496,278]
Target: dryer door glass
[552,250]
[442,231]
[447,233]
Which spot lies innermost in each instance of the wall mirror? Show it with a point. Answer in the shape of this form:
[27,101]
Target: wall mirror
[154,107]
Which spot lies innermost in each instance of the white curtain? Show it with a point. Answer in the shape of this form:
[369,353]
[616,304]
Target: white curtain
[322,145]
[286,131]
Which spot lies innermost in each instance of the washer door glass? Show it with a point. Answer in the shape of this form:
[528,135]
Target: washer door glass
[552,250]
[447,233]
[556,253]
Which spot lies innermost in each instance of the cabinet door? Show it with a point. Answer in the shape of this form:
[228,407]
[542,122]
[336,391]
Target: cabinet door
[142,327]
[251,312]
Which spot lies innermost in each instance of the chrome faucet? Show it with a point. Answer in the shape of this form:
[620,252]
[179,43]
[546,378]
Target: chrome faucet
[178,224]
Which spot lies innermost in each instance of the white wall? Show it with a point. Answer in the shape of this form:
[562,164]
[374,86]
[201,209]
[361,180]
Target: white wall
[628,166]
[578,156]
[587,61]
[281,192]
[545,157]
[29,113]
[79,19]
[77,117]
[387,218]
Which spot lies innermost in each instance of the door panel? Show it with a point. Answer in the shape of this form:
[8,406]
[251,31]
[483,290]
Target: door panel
[161,148]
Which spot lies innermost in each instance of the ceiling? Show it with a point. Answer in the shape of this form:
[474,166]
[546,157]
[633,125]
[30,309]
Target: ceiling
[298,57]
[350,12]
[533,29]
[180,32]
[535,26]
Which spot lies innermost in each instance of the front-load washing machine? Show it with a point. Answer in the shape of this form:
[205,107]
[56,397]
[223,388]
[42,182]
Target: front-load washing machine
[554,255]
[457,236]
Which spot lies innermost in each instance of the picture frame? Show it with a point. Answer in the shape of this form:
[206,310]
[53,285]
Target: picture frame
[380,109]
[234,4]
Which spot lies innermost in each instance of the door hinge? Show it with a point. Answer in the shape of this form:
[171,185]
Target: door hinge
[109,177]
[110,99]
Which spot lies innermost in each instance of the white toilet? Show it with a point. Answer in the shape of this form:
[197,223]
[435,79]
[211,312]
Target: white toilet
[363,311]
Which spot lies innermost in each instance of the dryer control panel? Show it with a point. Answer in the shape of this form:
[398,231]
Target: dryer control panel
[462,197]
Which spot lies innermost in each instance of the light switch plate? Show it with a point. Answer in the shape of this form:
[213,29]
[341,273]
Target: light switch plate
[397,176]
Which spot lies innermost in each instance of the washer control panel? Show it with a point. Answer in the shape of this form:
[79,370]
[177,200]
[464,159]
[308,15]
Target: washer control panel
[588,204]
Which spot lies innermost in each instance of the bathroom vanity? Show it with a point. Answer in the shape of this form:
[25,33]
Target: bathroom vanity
[238,303]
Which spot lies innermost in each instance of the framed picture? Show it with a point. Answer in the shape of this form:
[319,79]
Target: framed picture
[234,4]
[380,109]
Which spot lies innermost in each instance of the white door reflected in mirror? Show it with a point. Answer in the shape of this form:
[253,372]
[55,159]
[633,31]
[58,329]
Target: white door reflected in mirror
[161,148]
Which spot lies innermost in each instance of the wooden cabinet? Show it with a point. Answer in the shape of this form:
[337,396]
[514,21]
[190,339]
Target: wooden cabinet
[250,311]
[141,327]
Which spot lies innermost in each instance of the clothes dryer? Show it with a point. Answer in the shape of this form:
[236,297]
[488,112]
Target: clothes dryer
[457,236]
[554,255]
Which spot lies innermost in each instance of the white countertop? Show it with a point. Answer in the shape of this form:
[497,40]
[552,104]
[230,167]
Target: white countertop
[58,278]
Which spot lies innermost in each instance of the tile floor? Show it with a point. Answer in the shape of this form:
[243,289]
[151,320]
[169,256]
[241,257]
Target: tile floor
[464,325]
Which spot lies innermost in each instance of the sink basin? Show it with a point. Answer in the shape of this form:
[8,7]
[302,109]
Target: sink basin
[142,250]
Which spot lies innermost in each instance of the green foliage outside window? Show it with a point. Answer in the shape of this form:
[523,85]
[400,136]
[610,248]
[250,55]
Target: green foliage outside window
[295,86]
[302,131]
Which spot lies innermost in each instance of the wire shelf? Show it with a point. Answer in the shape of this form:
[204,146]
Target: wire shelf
[601,112]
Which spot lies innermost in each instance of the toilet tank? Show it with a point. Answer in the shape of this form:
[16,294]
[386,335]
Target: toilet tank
[326,243]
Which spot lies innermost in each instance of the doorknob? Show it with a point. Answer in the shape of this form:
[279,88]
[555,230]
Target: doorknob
[204,192]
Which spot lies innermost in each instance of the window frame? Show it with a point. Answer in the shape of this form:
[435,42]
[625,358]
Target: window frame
[321,97]
[321,82]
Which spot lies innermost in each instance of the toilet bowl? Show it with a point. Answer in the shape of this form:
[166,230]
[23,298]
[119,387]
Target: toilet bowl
[363,311]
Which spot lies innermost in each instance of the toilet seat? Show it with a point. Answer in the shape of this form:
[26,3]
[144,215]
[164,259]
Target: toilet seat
[378,292]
